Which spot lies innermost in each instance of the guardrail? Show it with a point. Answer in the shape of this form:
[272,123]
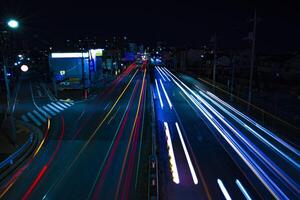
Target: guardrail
[153,188]
[10,159]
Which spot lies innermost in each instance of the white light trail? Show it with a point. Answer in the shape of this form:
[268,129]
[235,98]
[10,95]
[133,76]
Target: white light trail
[223,189]
[261,175]
[69,55]
[288,146]
[253,131]
[160,74]
[243,190]
[192,170]
[167,97]
[166,73]
[163,73]
[159,96]
[173,165]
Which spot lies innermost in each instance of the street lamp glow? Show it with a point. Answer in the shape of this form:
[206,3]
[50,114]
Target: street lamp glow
[13,23]
[24,68]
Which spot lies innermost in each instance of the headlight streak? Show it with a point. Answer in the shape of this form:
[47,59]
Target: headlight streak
[165,71]
[243,190]
[192,170]
[173,165]
[160,74]
[274,136]
[262,176]
[166,94]
[224,190]
[159,96]
[253,131]
[254,148]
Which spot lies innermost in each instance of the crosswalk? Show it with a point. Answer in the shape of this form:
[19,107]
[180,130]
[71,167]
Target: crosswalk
[40,114]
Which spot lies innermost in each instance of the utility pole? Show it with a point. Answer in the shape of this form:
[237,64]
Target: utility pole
[215,59]
[4,47]
[253,37]
[233,63]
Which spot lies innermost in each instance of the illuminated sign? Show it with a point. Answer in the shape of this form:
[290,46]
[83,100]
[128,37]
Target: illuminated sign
[69,55]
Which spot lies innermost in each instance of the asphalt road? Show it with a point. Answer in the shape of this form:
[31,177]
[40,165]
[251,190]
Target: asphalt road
[219,153]
[92,149]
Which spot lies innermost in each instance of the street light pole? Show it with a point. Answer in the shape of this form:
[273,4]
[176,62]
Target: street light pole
[252,59]
[4,37]
[215,59]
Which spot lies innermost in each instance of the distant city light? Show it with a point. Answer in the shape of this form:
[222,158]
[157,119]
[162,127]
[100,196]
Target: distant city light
[24,68]
[69,55]
[13,23]
[62,72]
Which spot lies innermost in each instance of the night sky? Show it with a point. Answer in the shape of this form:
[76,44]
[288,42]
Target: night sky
[186,23]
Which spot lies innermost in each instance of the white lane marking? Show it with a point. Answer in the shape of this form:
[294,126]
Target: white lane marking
[45,114]
[49,111]
[39,116]
[34,119]
[53,108]
[57,106]
[62,105]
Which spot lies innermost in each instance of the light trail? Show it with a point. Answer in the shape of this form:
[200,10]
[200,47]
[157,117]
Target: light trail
[274,136]
[192,170]
[92,136]
[163,73]
[166,73]
[166,94]
[173,165]
[131,136]
[112,149]
[159,96]
[14,178]
[243,190]
[260,174]
[253,147]
[43,140]
[44,169]
[160,74]
[224,190]
[253,132]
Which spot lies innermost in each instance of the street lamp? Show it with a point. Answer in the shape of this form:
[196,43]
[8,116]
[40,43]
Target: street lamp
[12,23]
[4,43]
[24,68]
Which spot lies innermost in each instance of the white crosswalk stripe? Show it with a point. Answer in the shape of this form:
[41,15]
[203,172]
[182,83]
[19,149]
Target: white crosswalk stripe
[44,113]
[53,108]
[69,104]
[25,118]
[49,111]
[57,106]
[39,116]
[62,105]
[34,119]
